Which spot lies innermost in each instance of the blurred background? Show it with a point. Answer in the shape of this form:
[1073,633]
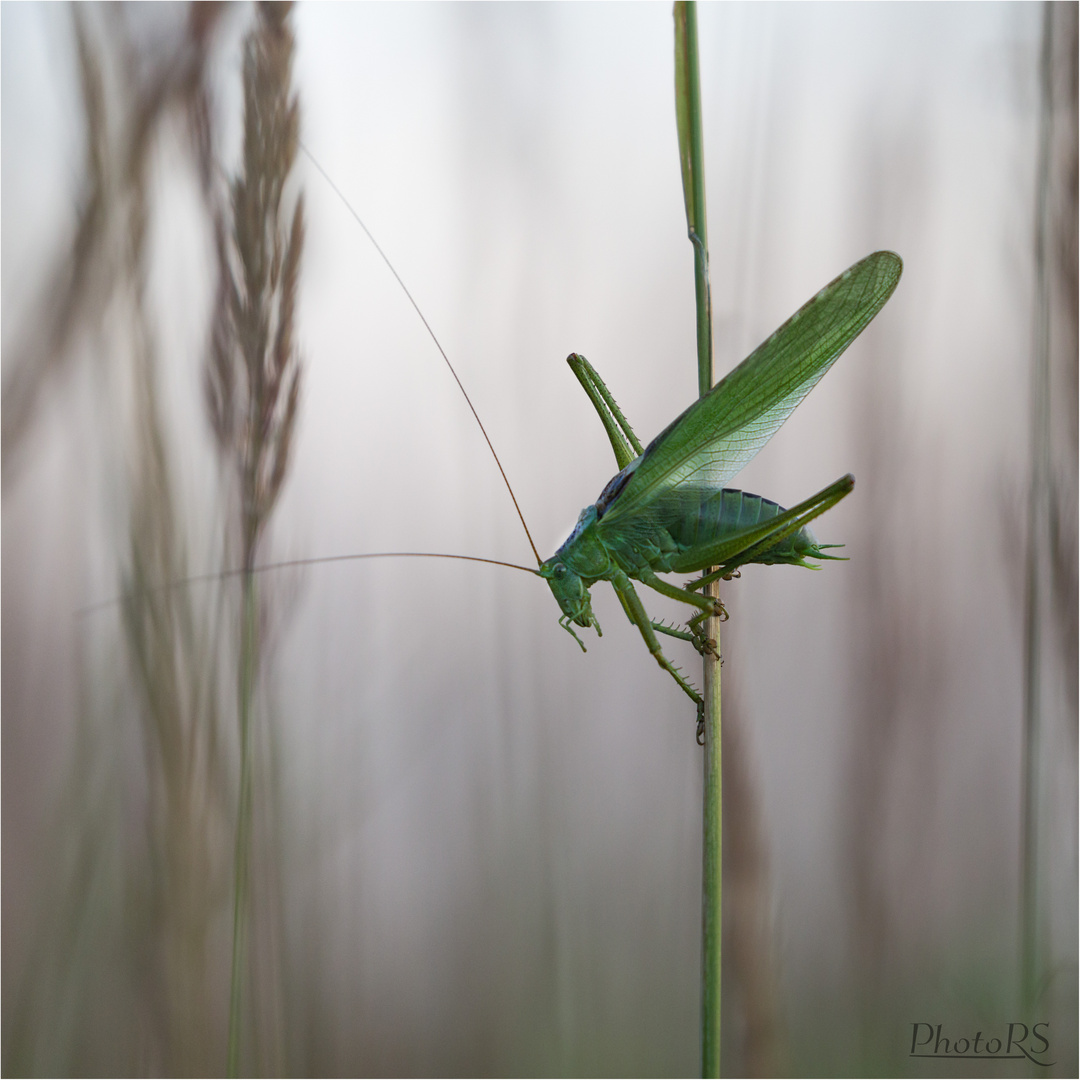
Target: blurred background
[475,849]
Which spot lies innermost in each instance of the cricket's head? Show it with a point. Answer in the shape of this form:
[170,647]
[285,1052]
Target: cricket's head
[569,591]
[571,594]
[580,562]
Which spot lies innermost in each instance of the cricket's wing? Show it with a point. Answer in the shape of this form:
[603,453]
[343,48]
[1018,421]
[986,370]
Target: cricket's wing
[713,439]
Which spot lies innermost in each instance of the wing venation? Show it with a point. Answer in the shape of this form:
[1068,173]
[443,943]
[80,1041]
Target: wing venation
[718,434]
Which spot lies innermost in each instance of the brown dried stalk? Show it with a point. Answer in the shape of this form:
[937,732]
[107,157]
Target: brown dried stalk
[252,379]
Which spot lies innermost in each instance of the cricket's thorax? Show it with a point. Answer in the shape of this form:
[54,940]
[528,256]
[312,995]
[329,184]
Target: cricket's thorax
[583,551]
[581,561]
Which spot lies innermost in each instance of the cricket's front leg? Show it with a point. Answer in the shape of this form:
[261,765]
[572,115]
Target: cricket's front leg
[639,616]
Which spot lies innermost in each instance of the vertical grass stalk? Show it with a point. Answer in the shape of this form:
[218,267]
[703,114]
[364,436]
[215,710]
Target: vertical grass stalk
[249,651]
[252,383]
[1038,537]
[692,162]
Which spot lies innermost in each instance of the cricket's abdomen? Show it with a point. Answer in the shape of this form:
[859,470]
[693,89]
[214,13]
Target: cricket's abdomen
[724,514]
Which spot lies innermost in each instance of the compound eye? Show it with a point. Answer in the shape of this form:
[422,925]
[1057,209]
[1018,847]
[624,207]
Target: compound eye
[559,571]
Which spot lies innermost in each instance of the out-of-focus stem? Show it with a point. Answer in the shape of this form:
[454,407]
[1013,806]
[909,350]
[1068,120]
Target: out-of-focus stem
[248,663]
[1037,539]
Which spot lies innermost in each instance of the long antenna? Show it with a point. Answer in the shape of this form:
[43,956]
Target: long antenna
[221,575]
[438,344]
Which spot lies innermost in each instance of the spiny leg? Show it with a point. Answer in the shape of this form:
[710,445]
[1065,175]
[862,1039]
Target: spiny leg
[671,631]
[656,624]
[639,616]
[623,440]
[707,606]
[706,646]
[698,631]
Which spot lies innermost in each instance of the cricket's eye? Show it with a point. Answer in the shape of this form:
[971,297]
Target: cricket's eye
[559,572]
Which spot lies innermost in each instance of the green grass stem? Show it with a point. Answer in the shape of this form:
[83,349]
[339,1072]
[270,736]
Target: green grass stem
[692,161]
